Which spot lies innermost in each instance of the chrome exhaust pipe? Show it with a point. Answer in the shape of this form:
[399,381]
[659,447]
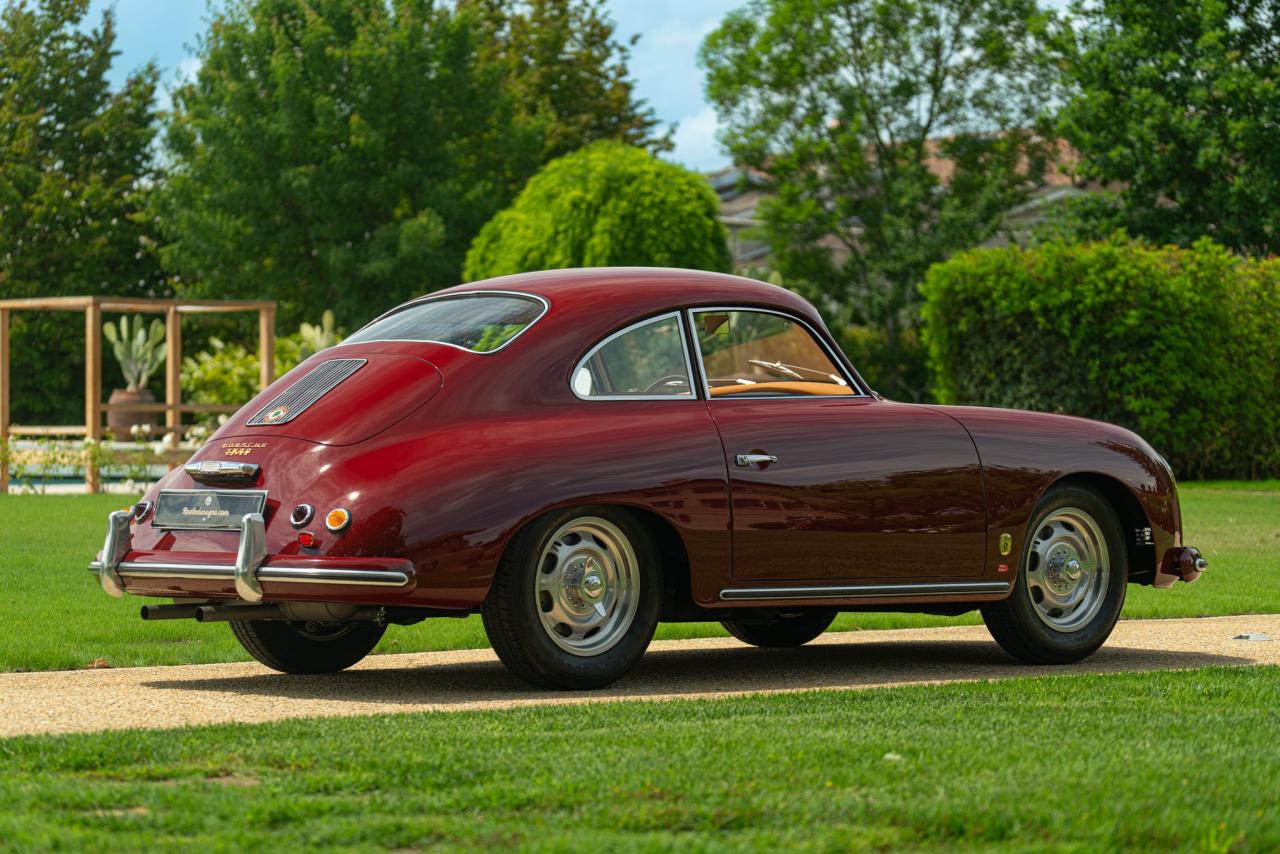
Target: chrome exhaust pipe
[168,612]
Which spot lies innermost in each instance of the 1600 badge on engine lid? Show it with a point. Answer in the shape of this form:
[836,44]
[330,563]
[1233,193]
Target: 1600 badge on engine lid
[206,509]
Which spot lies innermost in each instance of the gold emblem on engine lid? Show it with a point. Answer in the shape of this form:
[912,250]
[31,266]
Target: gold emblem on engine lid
[1006,543]
[240,449]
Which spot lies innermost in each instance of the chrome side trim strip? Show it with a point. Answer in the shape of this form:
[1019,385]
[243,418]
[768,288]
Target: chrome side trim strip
[862,591]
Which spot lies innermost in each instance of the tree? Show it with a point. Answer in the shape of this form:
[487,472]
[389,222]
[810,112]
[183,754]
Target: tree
[337,154]
[568,72]
[890,135]
[606,205]
[75,170]
[1179,102]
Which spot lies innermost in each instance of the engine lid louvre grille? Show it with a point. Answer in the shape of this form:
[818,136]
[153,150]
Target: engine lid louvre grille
[310,387]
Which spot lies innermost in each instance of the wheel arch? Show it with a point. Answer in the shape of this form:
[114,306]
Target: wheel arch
[672,551]
[1129,511]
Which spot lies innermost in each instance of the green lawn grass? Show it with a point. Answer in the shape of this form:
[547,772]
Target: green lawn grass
[1173,760]
[55,615]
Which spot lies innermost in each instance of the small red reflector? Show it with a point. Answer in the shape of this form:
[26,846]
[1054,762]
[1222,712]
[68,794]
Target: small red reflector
[306,539]
[1004,567]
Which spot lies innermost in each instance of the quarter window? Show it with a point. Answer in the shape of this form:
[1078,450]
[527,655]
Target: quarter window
[758,354]
[647,360]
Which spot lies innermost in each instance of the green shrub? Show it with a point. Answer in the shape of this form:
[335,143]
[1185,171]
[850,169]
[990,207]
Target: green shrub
[1179,345]
[605,205]
[228,373]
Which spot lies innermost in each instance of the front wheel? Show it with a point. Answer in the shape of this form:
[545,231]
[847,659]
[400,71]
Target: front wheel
[1071,582]
[307,647]
[782,630]
[575,600]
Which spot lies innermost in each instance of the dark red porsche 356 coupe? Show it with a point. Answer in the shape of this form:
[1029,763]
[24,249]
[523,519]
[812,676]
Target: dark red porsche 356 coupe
[577,455]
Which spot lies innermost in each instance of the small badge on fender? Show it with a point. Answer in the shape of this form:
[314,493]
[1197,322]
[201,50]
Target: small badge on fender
[1006,543]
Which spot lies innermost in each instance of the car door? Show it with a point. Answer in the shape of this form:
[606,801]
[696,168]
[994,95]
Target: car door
[827,482]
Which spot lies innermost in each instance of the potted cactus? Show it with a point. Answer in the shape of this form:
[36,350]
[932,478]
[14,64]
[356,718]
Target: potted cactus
[140,352]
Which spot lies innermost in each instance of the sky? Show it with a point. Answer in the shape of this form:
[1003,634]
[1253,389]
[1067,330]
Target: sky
[663,63]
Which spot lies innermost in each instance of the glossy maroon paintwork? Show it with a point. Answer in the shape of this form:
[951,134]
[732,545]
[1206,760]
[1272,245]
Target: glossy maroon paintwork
[442,455]
[881,491]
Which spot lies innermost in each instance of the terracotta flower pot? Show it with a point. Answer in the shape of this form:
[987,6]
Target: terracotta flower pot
[120,422]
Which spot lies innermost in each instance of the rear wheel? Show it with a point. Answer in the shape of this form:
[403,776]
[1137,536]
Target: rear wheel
[1071,582]
[783,630]
[575,599]
[307,647]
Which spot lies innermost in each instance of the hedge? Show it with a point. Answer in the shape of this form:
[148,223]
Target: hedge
[1179,345]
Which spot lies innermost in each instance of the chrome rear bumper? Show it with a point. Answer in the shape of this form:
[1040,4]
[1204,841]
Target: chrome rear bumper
[247,573]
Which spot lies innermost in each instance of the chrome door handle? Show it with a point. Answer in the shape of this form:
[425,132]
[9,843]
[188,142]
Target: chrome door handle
[745,460]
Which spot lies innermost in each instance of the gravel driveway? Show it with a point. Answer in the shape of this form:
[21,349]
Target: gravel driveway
[158,697]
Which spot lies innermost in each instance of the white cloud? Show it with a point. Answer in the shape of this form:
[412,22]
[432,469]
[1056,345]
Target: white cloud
[189,68]
[186,71]
[695,140]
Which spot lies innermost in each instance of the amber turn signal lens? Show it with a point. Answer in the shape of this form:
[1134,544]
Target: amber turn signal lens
[338,519]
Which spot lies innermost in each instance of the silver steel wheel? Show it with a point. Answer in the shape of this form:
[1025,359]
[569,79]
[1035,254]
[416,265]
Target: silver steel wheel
[1068,569]
[587,586]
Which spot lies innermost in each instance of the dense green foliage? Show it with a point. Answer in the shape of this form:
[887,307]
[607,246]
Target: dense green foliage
[847,107]
[1178,344]
[75,166]
[568,72]
[344,154]
[1178,103]
[1236,525]
[336,154]
[228,373]
[1179,761]
[606,205]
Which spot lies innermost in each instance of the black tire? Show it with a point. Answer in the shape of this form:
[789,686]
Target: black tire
[1016,623]
[291,648]
[514,610]
[783,630]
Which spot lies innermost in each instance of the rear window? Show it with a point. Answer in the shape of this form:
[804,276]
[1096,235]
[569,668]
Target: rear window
[481,323]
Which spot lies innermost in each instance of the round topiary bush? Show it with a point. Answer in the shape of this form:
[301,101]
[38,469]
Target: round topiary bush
[1180,345]
[605,205]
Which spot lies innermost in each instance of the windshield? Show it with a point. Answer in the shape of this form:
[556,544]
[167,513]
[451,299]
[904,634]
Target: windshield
[481,323]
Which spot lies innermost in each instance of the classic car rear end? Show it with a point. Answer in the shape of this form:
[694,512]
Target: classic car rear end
[656,445]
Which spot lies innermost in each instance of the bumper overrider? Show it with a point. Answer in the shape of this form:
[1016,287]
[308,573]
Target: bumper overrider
[252,566]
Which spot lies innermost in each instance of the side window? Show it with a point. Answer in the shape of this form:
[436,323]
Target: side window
[643,361]
[757,354]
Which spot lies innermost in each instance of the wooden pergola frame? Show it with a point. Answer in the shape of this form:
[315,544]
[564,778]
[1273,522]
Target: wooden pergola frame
[94,307]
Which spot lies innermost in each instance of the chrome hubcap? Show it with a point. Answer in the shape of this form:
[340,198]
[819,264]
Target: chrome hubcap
[587,586]
[1067,569]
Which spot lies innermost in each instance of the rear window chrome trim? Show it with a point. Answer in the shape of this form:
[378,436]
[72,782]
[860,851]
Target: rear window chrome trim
[546,306]
[836,360]
[595,348]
